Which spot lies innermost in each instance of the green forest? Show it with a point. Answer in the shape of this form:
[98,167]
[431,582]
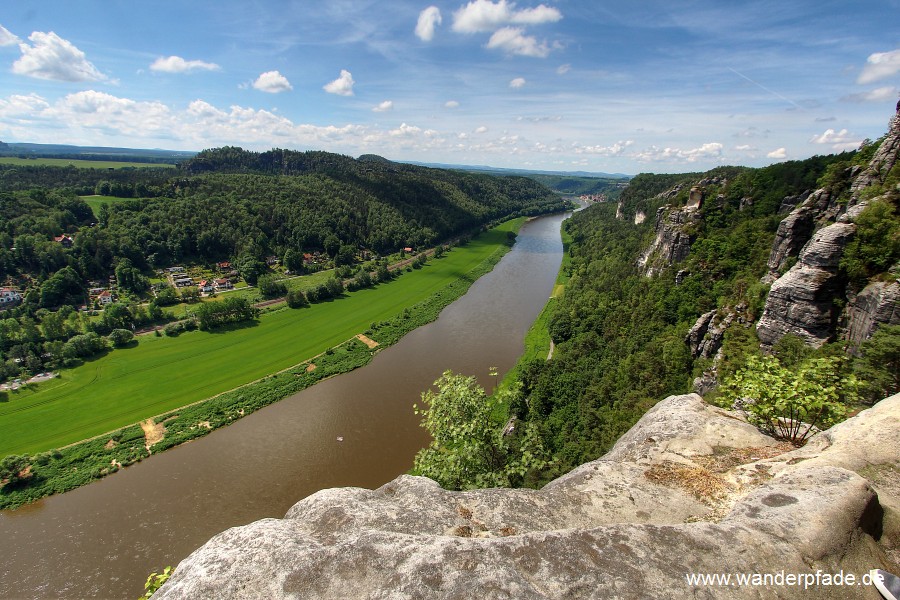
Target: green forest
[260,213]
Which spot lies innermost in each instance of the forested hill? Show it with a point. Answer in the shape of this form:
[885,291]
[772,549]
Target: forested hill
[229,203]
[667,288]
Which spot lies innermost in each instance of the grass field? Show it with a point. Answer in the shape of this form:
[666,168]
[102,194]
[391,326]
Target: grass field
[78,163]
[95,202]
[161,373]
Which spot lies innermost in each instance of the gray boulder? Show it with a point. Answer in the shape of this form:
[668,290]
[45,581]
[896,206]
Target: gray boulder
[691,489]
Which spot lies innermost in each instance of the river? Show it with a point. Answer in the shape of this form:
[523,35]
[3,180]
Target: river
[357,429]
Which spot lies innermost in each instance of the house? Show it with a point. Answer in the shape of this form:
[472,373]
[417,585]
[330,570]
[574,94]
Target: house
[175,269]
[182,281]
[65,240]
[408,250]
[223,266]
[106,297]
[9,297]
[206,286]
[223,284]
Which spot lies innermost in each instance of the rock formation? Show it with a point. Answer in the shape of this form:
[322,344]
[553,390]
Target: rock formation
[877,304]
[690,489]
[673,238]
[802,301]
[793,233]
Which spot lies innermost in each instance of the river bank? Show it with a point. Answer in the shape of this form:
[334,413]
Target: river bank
[74,465]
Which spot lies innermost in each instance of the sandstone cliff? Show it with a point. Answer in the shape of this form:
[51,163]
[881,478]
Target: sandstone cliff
[690,489]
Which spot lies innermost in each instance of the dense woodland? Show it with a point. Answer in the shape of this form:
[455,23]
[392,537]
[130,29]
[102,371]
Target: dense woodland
[620,335]
[226,204]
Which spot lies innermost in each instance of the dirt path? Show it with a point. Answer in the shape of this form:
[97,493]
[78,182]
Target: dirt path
[153,432]
[367,341]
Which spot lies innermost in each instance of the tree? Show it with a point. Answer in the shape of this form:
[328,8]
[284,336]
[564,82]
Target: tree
[469,449]
[13,466]
[250,267]
[270,287]
[788,404]
[293,260]
[120,337]
[296,299]
[63,287]
[879,365]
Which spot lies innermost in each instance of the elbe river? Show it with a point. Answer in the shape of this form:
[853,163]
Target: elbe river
[102,540]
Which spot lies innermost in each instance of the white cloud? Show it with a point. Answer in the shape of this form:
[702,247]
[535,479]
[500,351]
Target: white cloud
[384,106]
[18,106]
[517,83]
[484,15]
[563,69]
[709,150]
[428,19]
[451,104]
[176,64]
[404,131]
[7,38]
[51,57]
[272,82]
[838,140]
[880,66]
[481,129]
[882,94]
[513,40]
[745,148]
[615,150]
[779,154]
[342,86]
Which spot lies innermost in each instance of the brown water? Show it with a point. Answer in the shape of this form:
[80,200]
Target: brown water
[102,540]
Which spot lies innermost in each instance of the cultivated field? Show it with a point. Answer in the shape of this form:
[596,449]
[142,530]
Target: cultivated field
[78,163]
[161,373]
[95,202]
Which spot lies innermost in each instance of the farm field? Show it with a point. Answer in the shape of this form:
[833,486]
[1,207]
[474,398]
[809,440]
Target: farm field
[79,163]
[95,202]
[160,373]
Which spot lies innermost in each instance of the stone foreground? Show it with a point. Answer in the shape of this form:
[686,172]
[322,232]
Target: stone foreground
[690,489]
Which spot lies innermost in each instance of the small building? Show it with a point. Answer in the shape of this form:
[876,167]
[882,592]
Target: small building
[408,250]
[9,297]
[223,284]
[65,240]
[223,266]
[106,297]
[183,281]
[206,286]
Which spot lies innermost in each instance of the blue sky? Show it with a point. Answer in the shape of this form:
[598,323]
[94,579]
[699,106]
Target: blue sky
[568,85]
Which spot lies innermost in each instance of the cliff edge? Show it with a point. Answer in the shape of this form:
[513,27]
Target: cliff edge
[690,489]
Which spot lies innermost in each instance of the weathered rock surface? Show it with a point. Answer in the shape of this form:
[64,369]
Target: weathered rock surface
[793,233]
[883,161]
[801,302]
[672,243]
[673,497]
[878,304]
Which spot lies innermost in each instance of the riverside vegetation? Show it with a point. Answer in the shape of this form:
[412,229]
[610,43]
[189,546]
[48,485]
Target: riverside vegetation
[621,328]
[261,212]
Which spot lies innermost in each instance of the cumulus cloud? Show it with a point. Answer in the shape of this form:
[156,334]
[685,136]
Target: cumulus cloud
[484,15]
[838,140]
[384,106]
[451,104]
[881,94]
[7,38]
[18,106]
[513,40]
[779,154]
[709,150]
[51,57]
[517,83]
[342,86]
[615,150]
[880,66]
[428,20]
[404,130]
[176,64]
[481,129]
[272,82]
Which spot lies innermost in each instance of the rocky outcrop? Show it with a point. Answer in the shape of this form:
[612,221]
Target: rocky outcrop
[690,489]
[884,160]
[705,340]
[802,301]
[793,233]
[878,304]
[674,235]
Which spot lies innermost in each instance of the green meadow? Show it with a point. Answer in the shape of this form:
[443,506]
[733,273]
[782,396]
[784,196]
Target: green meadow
[95,202]
[79,163]
[159,374]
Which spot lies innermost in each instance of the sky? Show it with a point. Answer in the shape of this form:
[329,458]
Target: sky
[567,85]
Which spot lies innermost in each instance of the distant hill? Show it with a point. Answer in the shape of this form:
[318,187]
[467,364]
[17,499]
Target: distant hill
[525,172]
[94,152]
